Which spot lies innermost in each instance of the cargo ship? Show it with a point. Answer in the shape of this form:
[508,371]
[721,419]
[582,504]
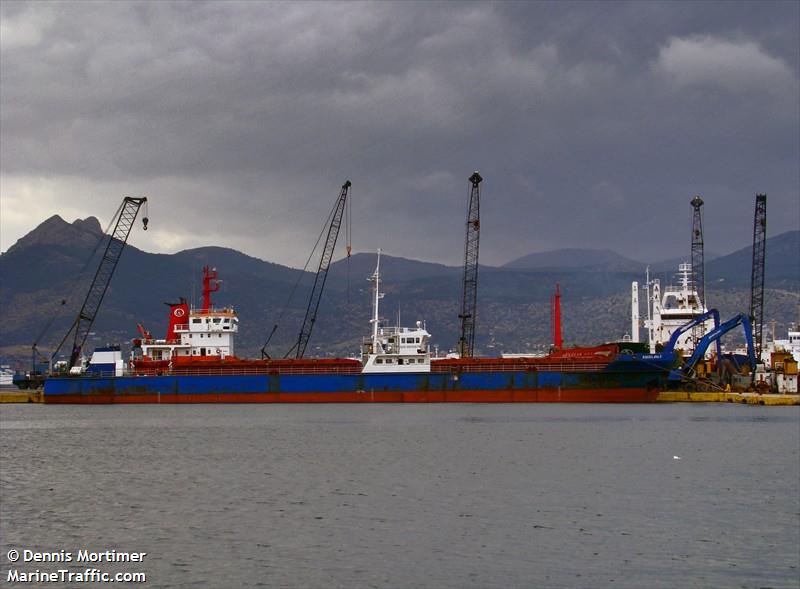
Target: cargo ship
[196,363]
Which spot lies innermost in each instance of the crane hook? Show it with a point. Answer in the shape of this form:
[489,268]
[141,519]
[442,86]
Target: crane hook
[144,222]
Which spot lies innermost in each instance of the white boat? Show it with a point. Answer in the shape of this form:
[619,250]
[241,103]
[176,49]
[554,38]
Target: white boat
[393,349]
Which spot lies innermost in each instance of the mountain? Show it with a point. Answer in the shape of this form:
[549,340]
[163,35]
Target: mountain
[393,269]
[56,231]
[577,258]
[671,264]
[47,272]
[782,265]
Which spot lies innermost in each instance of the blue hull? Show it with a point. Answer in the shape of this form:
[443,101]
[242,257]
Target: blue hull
[620,381]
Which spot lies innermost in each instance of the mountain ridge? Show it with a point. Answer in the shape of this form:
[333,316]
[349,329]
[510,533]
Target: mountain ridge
[44,267]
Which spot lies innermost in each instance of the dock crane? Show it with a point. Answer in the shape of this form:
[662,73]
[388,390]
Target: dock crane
[757,273]
[698,263]
[322,273]
[124,219]
[469,300]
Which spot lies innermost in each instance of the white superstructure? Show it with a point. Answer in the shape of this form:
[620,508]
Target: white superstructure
[393,349]
[679,305]
[206,333]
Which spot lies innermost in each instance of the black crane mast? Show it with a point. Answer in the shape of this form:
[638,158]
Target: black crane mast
[698,264]
[322,271]
[466,343]
[757,274]
[125,217]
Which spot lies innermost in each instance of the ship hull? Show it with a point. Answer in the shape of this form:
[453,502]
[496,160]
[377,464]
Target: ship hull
[629,395]
[505,386]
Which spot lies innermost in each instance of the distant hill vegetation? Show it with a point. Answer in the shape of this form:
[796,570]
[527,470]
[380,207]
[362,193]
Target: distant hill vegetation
[49,270]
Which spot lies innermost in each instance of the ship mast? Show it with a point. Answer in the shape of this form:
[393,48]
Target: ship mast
[635,312]
[378,295]
[555,319]
[209,277]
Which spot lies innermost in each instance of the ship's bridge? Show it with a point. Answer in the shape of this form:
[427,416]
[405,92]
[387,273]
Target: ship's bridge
[214,320]
[397,349]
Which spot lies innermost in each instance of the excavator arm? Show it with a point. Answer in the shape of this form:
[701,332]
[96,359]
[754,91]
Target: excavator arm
[713,336]
[673,340]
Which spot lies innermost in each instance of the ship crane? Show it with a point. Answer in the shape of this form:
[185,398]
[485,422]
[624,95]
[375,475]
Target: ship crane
[123,222]
[322,273]
[466,343]
[757,273]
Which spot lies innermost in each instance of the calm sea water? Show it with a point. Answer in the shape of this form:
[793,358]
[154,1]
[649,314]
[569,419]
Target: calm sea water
[410,495]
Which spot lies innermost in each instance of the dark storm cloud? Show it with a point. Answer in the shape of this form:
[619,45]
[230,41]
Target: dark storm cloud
[593,124]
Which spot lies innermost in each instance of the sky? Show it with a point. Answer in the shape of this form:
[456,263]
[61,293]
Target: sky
[593,124]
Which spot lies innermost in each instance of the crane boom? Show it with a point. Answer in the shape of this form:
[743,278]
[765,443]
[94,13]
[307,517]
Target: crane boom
[757,273]
[322,271]
[698,263]
[125,217]
[469,300]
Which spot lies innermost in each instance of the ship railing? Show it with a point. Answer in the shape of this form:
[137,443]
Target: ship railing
[250,371]
[181,327]
[538,367]
[228,371]
[265,371]
[215,311]
[349,370]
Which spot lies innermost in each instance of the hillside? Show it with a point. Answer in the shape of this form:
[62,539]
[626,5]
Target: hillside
[782,264]
[49,265]
[577,258]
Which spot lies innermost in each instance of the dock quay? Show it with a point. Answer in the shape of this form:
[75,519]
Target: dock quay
[20,396]
[726,397]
